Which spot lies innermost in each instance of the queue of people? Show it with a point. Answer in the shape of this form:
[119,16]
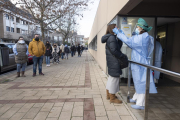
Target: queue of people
[38,50]
[142,45]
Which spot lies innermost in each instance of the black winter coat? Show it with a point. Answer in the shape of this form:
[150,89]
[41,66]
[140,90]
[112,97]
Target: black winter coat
[114,45]
[66,50]
[48,51]
[73,48]
[78,48]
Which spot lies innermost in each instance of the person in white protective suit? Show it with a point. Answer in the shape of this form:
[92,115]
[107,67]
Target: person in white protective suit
[142,45]
[158,58]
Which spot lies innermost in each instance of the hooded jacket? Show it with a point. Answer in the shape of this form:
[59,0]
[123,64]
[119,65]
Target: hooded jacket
[112,57]
[66,49]
[36,48]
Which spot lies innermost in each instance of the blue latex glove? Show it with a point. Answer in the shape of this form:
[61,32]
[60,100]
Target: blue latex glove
[121,31]
[115,30]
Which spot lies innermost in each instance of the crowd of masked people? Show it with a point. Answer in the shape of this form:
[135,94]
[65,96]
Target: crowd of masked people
[38,50]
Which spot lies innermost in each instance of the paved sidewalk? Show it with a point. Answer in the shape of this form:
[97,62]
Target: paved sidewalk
[71,90]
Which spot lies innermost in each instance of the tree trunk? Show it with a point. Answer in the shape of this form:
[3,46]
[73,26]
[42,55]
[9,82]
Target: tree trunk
[42,32]
[64,40]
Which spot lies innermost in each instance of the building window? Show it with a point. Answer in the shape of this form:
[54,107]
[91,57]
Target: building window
[12,18]
[17,20]
[7,16]
[93,44]
[23,31]
[18,30]
[7,28]
[22,22]
[12,29]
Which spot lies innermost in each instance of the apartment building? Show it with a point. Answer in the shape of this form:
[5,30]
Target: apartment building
[13,25]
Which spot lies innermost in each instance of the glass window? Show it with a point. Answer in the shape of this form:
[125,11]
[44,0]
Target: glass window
[7,16]
[7,28]
[10,49]
[23,31]
[17,20]
[12,18]
[12,29]
[12,45]
[128,24]
[93,44]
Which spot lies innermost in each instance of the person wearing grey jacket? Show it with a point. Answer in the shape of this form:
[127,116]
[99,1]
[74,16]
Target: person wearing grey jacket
[20,50]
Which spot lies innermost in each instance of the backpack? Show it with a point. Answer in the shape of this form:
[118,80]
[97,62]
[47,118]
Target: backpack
[66,49]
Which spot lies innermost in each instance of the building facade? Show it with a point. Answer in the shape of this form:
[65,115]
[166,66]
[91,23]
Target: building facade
[13,24]
[125,13]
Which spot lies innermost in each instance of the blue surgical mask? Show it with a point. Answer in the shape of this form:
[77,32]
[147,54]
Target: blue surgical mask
[137,31]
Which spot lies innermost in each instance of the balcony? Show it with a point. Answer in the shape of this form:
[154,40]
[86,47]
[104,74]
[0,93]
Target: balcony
[21,26]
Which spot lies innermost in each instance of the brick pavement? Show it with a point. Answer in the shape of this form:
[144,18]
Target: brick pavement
[71,90]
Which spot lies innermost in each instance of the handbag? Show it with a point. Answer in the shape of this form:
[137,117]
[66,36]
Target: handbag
[123,60]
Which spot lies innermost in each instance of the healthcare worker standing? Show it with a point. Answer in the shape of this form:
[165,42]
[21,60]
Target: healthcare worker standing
[158,58]
[142,45]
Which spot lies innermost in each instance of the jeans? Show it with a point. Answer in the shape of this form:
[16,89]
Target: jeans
[79,53]
[47,60]
[37,60]
[62,55]
[66,55]
[19,67]
[72,53]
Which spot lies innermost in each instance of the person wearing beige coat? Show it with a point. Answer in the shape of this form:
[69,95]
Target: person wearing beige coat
[62,53]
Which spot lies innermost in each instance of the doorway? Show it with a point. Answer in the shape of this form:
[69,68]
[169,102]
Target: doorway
[168,36]
[162,39]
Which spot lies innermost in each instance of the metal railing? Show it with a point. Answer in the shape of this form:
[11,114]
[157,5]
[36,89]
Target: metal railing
[167,72]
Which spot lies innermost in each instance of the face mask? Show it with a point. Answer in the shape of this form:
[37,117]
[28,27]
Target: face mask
[21,41]
[37,38]
[137,31]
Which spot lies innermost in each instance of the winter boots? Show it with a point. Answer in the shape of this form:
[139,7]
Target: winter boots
[18,74]
[23,74]
[113,99]
[108,95]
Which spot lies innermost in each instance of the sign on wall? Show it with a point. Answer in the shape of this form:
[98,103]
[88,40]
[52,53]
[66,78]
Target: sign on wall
[126,29]
[124,20]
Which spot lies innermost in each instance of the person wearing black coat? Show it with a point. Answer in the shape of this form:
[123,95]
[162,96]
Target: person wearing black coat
[79,50]
[113,53]
[48,53]
[72,50]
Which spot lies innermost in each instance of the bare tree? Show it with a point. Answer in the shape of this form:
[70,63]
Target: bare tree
[46,12]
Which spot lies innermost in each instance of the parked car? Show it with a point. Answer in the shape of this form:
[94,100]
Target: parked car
[5,62]
[30,59]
